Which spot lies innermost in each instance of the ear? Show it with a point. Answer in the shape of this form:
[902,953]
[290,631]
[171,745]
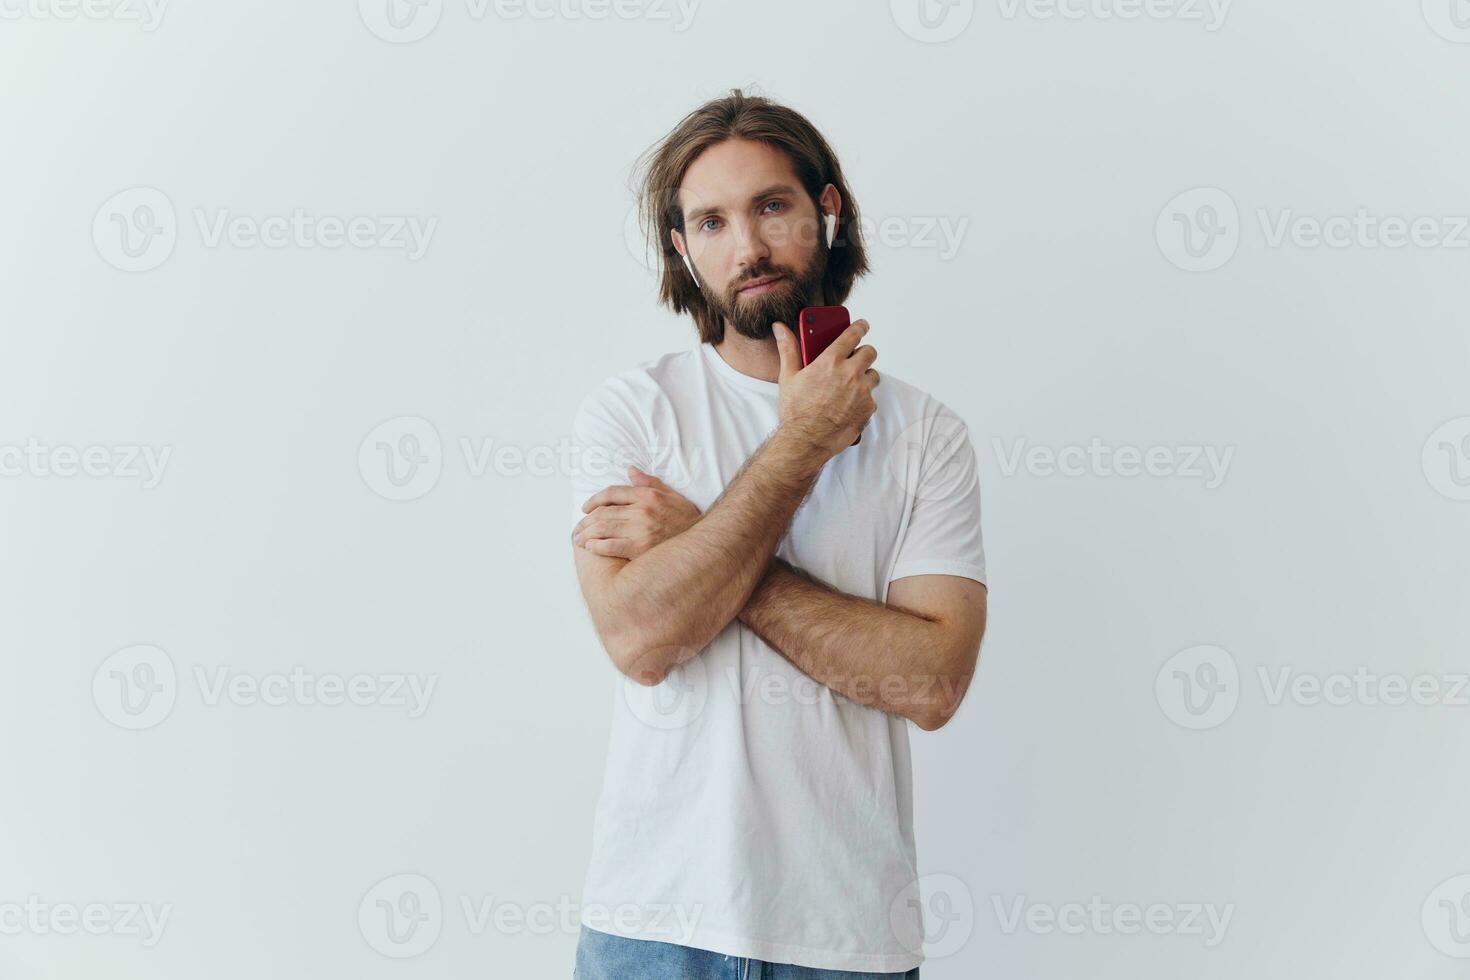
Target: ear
[683,250]
[831,203]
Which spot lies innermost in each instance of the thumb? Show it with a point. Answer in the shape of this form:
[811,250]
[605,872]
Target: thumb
[642,479]
[787,349]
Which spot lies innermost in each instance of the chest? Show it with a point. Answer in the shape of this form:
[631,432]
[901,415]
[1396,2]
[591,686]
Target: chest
[845,532]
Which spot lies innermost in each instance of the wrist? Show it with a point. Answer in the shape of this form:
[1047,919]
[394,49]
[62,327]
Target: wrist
[797,443]
[768,585]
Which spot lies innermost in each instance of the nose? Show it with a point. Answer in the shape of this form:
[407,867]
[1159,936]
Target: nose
[750,246]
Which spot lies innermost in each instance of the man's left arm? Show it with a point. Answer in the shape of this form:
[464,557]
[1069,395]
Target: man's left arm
[912,655]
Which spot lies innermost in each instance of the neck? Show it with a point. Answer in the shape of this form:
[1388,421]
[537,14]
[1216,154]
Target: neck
[757,358]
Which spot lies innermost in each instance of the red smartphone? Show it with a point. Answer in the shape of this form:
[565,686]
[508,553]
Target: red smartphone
[816,328]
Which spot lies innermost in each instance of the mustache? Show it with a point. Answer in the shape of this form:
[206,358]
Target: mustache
[765,273]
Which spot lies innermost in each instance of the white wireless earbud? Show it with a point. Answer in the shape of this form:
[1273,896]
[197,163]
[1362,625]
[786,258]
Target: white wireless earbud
[831,229]
[690,266]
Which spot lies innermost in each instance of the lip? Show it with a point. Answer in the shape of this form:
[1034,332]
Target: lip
[761,285]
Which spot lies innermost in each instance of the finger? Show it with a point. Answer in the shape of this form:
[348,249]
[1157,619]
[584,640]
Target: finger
[613,511]
[611,517]
[848,340]
[583,532]
[874,378]
[601,527]
[642,479]
[611,547]
[606,510]
[787,349]
[863,357]
[616,494]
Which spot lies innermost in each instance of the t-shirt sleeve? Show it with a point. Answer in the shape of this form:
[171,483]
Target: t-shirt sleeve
[942,476]
[607,438]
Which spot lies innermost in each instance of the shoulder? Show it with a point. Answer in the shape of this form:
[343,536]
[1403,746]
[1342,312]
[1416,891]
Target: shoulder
[633,395]
[913,422]
[908,402]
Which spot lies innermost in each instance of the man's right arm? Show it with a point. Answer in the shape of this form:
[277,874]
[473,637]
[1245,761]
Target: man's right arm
[661,608]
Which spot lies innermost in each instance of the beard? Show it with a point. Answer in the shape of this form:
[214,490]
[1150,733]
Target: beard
[752,316]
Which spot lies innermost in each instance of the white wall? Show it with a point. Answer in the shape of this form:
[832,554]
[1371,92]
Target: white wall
[1053,146]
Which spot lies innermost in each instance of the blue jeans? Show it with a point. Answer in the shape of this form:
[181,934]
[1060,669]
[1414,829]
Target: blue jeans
[604,957]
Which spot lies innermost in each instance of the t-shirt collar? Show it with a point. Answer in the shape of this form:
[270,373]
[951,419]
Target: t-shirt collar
[721,367]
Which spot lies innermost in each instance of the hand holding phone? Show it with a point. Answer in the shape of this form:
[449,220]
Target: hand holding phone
[818,328]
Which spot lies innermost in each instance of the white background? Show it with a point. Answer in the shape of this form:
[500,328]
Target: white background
[1336,540]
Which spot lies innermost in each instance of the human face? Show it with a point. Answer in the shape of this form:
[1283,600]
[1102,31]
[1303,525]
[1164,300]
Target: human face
[751,231]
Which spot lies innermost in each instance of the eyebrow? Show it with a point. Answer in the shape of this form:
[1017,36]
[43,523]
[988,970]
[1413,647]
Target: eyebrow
[773,191]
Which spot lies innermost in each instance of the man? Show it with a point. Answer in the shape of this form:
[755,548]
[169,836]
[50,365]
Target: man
[780,599]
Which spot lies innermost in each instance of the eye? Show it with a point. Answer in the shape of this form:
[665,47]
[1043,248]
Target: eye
[705,224]
[778,205]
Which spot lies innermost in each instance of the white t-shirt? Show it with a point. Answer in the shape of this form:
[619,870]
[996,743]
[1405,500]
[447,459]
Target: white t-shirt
[746,808]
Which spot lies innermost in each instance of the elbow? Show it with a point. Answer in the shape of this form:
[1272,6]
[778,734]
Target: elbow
[641,668]
[631,647]
[930,718]
[639,637]
[649,648]
[935,710]
[644,660]
[631,656]
[925,721]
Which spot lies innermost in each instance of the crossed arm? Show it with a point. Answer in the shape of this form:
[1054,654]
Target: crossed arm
[658,607]
[912,655]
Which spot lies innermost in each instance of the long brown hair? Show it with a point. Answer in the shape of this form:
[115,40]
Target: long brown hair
[756,118]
